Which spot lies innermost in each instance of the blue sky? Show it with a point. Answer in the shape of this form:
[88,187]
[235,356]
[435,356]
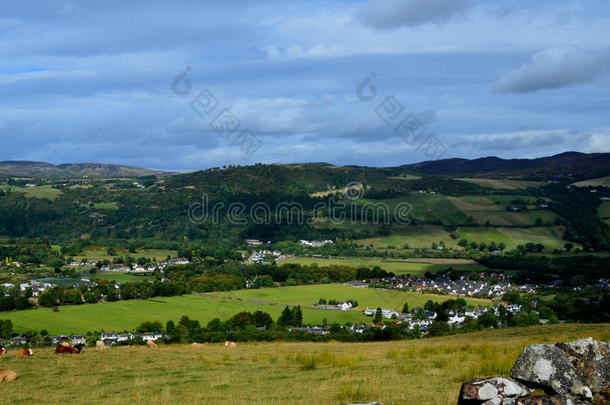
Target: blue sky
[85,81]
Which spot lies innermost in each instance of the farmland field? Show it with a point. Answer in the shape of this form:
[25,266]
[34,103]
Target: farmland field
[424,371]
[415,236]
[98,253]
[503,184]
[550,237]
[412,266]
[604,209]
[127,315]
[366,297]
[35,192]
[602,181]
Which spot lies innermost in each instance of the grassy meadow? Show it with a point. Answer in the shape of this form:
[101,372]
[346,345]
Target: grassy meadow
[366,297]
[99,253]
[503,184]
[45,191]
[127,315]
[426,371]
[415,267]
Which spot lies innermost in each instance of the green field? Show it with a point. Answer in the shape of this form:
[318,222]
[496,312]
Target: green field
[99,253]
[602,181]
[127,315]
[415,236]
[604,209]
[366,297]
[415,267]
[503,184]
[550,237]
[35,192]
[422,371]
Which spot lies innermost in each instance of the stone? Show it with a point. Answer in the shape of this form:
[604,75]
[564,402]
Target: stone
[490,391]
[591,360]
[547,367]
[551,400]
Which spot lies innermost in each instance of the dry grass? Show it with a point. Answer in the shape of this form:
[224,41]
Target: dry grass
[427,371]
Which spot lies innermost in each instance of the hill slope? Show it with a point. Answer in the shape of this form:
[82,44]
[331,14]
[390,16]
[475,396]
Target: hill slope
[23,168]
[569,164]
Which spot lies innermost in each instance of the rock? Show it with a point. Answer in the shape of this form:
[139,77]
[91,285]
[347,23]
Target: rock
[591,360]
[551,400]
[490,391]
[547,367]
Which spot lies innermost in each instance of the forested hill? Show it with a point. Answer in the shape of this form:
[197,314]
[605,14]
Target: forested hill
[23,168]
[574,165]
[295,179]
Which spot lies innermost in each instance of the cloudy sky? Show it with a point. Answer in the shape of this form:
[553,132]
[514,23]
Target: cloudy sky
[93,81]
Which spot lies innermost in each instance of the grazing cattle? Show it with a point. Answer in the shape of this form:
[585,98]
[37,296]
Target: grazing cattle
[7,375]
[2,350]
[230,344]
[61,349]
[25,353]
[151,344]
[100,345]
[199,344]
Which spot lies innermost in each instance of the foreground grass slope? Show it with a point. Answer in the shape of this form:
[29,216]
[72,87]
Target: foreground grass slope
[427,371]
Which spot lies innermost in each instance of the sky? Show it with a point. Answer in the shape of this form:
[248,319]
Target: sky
[189,85]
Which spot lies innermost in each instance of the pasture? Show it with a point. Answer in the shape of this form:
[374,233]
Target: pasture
[414,236]
[503,184]
[604,209]
[415,267]
[127,315]
[45,191]
[424,371]
[99,253]
[601,181]
[366,297]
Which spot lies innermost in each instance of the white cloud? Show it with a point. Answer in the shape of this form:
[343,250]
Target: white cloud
[555,68]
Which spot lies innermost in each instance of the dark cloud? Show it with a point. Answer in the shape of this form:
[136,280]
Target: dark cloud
[556,68]
[397,13]
[90,81]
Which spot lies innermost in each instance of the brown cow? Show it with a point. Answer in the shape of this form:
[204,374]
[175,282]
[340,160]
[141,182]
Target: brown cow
[2,350]
[61,349]
[25,353]
[230,345]
[8,376]
[199,344]
[151,344]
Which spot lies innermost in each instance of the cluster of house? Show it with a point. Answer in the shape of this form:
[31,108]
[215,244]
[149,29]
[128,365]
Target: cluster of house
[259,256]
[36,286]
[314,243]
[460,287]
[415,318]
[108,338]
[136,268]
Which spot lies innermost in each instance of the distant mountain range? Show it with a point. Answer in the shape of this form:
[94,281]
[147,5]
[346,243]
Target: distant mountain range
[569,164]
[574,165]
[25,168]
